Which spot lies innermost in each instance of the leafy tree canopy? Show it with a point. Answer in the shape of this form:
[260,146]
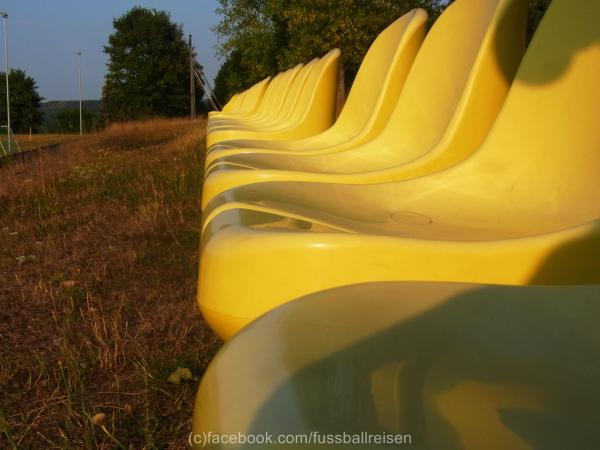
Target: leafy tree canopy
[25,102]
[537,9]
[148,69]
[67,121]
[260,37]
[232,76]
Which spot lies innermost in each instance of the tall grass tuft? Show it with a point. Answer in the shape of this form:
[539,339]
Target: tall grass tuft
[98,265]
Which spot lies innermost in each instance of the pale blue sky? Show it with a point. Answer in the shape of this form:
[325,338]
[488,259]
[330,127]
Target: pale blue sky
[44,34]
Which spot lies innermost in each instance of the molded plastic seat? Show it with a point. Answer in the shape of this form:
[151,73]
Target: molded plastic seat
[531,188]
[312,111]
[273,101]
[454,91]
[229,106]
[464,367]
[375,90]
[290,108]
[283,100]
[251,102]
[231,118]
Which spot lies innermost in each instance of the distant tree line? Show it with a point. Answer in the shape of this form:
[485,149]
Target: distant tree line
[148,70]
[25,102]
[27,111]
[67,121]
[148,75]
[258,38]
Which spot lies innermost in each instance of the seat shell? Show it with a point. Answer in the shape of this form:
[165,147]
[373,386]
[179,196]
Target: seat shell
[374,92]
[312,111]
[529,193]
[272,102]
[452,365]
[441,117]
[252,102]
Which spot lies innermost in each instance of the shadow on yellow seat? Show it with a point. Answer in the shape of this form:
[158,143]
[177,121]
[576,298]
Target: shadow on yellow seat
[308,110]
[452,96]
[532,186]
[445,366]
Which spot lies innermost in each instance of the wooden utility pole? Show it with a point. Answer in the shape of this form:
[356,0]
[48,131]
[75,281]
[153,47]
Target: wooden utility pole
[192,83]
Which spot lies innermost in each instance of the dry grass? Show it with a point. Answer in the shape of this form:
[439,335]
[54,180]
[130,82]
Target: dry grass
[98,263]
[132,135]
[41,140]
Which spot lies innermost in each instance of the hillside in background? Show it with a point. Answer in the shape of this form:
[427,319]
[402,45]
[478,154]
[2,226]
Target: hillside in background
[53,108]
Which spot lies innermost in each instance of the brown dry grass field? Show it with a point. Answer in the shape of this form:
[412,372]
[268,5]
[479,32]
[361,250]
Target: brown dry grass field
[27,143]
[98,268]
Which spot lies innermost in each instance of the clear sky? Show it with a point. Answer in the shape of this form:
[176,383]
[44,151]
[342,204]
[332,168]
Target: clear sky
[44,34]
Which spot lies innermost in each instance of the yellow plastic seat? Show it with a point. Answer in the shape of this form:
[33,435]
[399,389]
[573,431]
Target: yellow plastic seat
[232,106]
[273,85]
[375,90]
[311,111]
[229,106]
[273,100]
[252,98]
[531,188]
[286,102]
[282,99]
[250,103]
[448,366]
[454,91]
[286,106]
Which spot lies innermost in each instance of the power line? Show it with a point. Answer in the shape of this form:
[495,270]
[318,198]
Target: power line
[206,90]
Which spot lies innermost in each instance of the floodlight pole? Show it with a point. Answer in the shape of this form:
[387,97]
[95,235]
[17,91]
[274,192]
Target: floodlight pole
[192,83]
[80,109]
[4,17]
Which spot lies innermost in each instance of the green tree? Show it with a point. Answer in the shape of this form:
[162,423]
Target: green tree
[232,77]
[261,37]
[316,26]
[250,35]
[67,121]
[25,102]
[537,9]
[148,69]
